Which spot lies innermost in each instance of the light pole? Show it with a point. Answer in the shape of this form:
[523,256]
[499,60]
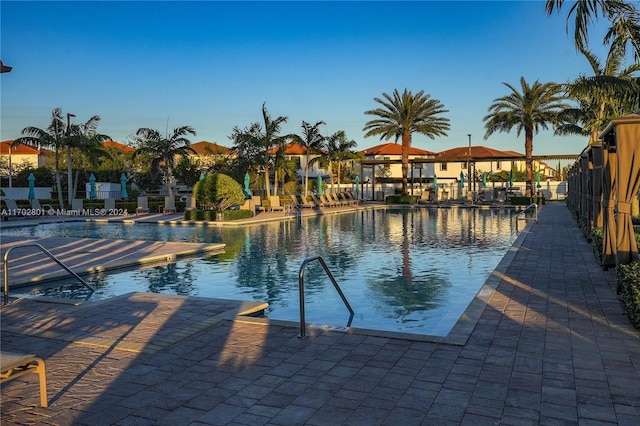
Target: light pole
[10,167]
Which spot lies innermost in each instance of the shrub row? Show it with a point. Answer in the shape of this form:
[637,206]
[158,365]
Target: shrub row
[212,215]
[525,201]
[629,290]
[401,199]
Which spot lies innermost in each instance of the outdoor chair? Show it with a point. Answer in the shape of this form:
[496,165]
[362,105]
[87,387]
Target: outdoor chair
[257,202]
[274,203]
[424,198]
[319,203]
[143,205]
[12,209]
[333,196]
[350,196]
[347,200]
[110,204]
[77,204]
[327,200]
[169,204]
[14,365]
[302,203]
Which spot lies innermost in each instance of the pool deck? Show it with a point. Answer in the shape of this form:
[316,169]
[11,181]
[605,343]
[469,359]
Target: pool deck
[550,344]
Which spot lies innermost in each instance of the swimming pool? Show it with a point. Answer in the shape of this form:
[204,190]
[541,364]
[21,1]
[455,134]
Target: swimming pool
[407,270]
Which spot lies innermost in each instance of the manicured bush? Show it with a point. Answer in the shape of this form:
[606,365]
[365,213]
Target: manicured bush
[525,201]
[629,290]
[401,199]
[596,243]
[237,214]
[218,191]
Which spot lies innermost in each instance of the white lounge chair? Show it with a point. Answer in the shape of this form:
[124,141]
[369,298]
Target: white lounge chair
[143,205]
[274,203]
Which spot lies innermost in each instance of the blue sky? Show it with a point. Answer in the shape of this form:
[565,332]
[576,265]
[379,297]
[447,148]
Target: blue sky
[211,65]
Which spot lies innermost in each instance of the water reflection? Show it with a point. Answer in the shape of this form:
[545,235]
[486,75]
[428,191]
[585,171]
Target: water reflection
[400,269]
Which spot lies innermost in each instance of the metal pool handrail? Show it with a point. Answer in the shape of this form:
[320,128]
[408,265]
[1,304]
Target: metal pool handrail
[45,251]
[303,328]
[522,212]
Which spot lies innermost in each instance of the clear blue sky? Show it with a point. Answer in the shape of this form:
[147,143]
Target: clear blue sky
[211,65]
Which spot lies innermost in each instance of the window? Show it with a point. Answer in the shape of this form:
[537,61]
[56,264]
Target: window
[498,165]
[463,165]
[443,166]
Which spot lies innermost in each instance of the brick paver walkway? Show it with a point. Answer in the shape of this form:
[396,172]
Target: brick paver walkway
[552,346]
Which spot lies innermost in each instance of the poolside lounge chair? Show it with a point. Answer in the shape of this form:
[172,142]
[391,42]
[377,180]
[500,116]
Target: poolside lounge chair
[110,204]
[347,200]
[143,205]
[302,203]
[14,365]
[169,204]
[257,202]
[305,203]
[333,196]
[12,209]
[425,198]
[35,204]
[77,204]
[274,203]
[319,202]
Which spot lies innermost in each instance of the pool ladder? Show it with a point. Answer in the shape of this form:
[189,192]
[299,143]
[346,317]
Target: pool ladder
[45,251]
[303,328]
[521,213]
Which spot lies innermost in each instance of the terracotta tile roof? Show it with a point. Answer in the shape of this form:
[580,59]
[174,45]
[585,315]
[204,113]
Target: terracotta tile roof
[477,151]
[209,148]
[394,149]
[19,149]
[124,148]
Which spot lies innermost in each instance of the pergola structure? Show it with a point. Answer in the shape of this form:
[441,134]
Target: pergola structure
[603,188]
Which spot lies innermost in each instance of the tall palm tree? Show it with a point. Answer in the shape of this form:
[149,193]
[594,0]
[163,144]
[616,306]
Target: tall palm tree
[611,92]
[313,143]
[339,149]
[538,105]
[402,115]
[84,137]
[624,18]
[164,151]
[53,137]
[254,142]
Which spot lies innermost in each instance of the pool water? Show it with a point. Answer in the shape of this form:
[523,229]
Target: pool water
[406,270]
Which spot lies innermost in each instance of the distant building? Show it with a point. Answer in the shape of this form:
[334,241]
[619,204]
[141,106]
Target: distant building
[20,156]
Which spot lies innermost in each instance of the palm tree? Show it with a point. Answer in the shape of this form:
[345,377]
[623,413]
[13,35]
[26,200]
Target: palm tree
[313,143]
[84,137]
[611,92]
[402,115]
[625,21]
[538,105]
[53,137]
[254,142]
[164,151]
[339,149]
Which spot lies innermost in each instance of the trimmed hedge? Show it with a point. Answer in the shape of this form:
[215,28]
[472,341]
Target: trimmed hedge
[525,201]
[629,290]
[596,243]
[211,215]
[401,199]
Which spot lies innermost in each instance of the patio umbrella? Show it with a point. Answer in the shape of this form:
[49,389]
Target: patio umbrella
[510,178]
[484,180]
[435,183]
[201,175]
[538,180]
[32,191]
[247,179]
[320,192]
[123,184]
[92,187]
[461,180]
[357,185]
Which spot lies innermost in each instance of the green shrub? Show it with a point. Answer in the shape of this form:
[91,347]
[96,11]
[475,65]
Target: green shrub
[218,191]
[237,214]
[596,243]
[525,201]
[401,199]
[629,290]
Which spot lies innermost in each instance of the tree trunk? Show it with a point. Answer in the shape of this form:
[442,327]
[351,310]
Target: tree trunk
[406,143]
[59,180]
[306,175]
[267,182]
[69,176]
[528,153]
